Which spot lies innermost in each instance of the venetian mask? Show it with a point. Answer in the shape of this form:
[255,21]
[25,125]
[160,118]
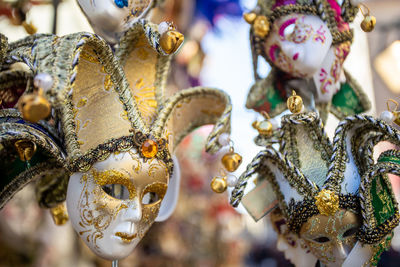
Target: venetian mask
[110,17]
[294,248]
[298,44]
[114,204]
[331,238]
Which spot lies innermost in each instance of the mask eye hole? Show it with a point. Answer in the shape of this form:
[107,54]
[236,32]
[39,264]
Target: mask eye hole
[117,191]
[150,198]
[350,232]
[289,30]
[322,239]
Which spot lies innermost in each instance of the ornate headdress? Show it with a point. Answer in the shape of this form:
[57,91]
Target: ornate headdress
[311,176]
[103,102]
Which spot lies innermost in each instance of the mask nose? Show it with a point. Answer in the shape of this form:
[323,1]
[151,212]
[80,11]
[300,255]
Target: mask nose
[281,244]
[133,212]
[341,252]
[289,49]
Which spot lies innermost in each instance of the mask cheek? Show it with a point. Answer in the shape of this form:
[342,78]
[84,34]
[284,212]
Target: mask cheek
[149,215]
[323,251]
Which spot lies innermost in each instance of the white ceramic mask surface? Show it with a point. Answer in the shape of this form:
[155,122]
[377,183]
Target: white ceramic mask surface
[113,205]
[298,44]
[109,18]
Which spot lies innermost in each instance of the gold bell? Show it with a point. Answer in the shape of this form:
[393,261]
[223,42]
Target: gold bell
[231,161]
[295,103]
[171,40]
[261,26]
[368,23]
[59,214]
[264,127]
[34,107]
[219,184]
[29,28]
[250,17]
[25,149]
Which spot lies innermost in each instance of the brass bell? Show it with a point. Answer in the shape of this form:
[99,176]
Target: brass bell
[261,26]
[368,23]
[219,184]
[34,107]
[171,40]
[25,149]
[265,128]
[231,161]
[29,28]
[250,17]
[59,214]
[295,103]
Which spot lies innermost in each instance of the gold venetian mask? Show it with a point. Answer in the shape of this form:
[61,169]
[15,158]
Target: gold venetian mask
[331,238]
[114,204]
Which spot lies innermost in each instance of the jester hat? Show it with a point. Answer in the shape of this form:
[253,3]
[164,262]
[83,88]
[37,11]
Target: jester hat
[103,102]
[309,175]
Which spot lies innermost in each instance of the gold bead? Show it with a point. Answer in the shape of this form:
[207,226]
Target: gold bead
[219,184]
[25,149]
[34,107]
[59,214]
[171,40]
[231,161]
[149,148]
[250,17]
[261,26]
[295,103]
[368,23]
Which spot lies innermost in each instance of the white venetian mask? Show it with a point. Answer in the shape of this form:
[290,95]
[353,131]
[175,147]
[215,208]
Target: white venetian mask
[298,44]
[110,17]
[113,205]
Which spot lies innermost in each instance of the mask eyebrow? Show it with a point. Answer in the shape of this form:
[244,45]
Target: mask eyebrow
[286,24]
[115,177]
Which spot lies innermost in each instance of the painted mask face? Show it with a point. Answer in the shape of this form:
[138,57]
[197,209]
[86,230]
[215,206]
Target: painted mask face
[331,238]
[113,205]
[298,44]
[294,248]
[109,17]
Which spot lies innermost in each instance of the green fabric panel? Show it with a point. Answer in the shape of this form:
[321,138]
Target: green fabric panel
[347,101]
[271,99]
[381,200]
[390,159]
[11,171]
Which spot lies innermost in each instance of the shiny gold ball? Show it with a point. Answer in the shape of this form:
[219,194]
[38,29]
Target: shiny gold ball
[219,184]
[261,26]
[231,161]
[34,107]
[368,23]
[250,17]
[170,41]
[25,149]
[295,103]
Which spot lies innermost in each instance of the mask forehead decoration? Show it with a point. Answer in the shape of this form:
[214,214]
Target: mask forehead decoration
[119,128]
[330,194]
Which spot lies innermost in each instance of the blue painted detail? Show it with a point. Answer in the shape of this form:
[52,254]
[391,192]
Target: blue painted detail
[125,2]
[119,3]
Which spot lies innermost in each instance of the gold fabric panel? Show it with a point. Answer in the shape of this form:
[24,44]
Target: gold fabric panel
[189,114]
[140,70]
[98,112]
